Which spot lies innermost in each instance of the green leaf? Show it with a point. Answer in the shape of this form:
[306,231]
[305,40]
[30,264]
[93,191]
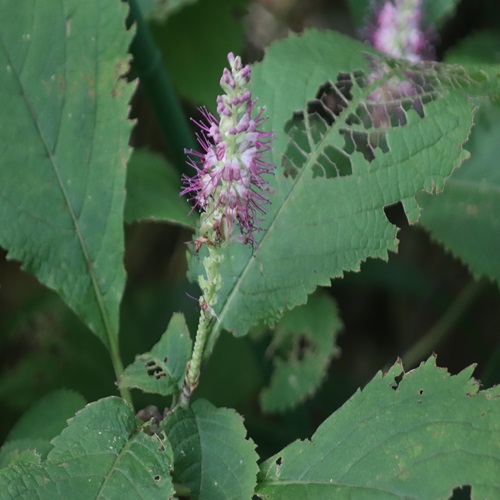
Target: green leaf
[101,454]
[23,450]
[159,10]
[476,49]
[464,218]
[42,422]
[333,180]
[162,370]
[211,455]
[65,147]
[47,418]
[307,334]
[202,35]
[153,188]
[390,436]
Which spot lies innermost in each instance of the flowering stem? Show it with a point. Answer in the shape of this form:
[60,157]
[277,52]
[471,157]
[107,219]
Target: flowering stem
[228,188]
[193,374]
[210,286]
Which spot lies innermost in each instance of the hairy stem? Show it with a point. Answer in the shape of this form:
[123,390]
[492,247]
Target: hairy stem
[209,286]
[444,326]
[159,89]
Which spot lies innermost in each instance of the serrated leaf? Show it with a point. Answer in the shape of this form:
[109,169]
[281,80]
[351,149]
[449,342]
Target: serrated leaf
[307,336]
[23,450]
[159,10]
[464,218]
[153,188]
[391,435]
[340,171]
[212,456]
[101,454]
[162,370]
[41,423]
[64,136]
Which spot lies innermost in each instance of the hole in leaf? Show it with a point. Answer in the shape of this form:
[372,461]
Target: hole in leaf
[157,478]
[461,493]
[421,392]
[303,347]
[331,99]
[353,114]
[396,215]
[396,382]
[154,370]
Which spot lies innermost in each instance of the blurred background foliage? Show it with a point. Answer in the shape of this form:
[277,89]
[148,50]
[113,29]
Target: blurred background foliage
[385,309]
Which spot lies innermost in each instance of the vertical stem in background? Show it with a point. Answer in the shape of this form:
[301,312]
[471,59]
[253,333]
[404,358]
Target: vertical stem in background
[444,326]
[165,103]
[156,83]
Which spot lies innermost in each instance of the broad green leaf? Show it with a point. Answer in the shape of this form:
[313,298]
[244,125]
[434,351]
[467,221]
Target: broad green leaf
[212,456]
[481,47]
[464,218]
[23,450]
[159,10]
[415,435]
[304,343]
[153,188]
[42,422]
[202,35]
[162,370]
[47,418]
[64,135]
[103,453]
[333,180]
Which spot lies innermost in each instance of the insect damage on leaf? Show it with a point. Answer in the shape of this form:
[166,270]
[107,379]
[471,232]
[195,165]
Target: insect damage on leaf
[353,114]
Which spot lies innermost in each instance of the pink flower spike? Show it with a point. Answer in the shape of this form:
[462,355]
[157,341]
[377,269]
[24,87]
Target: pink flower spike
[228,185]
[396,30]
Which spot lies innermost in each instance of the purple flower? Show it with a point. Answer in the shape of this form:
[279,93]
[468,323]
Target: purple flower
[228,185]
[397,32]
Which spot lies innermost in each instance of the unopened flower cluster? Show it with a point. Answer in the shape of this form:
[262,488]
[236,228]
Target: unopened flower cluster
[228,186]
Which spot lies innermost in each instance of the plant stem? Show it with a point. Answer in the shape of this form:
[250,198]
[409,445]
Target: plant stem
[193,374]
[444,326]
[118,368]
[159,89]
[209,286]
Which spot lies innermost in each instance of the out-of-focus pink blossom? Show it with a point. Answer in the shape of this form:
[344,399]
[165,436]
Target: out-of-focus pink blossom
[396,30]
